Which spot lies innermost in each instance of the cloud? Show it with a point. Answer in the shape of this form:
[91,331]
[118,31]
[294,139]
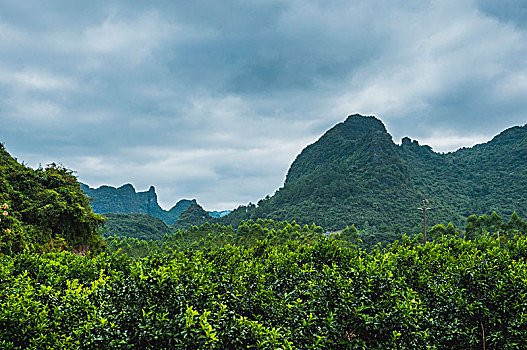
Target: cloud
[509,11]
[35,80]
[130,41]
[444,140]
[214,100]
[459,71]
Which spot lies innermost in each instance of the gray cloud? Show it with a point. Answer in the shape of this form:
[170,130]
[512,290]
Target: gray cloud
[511,11]
[214,100]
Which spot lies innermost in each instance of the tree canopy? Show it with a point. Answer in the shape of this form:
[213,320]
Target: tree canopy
[46,209]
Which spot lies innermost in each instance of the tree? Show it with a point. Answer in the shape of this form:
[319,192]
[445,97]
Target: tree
[514,225]
[470,229]
[437,231]
[48,209]
[350,234]
[494,223]
[451,230]
[482,224]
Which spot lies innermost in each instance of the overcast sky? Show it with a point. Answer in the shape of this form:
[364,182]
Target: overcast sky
[213,100]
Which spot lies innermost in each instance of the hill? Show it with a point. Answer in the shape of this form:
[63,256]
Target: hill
[194,215]
[125,200]
[44,209]
[356,174]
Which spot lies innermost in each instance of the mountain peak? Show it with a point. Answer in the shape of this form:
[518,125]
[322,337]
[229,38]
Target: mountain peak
[359,118]
[364,123]
[360,136]
[124,188]
[406,141]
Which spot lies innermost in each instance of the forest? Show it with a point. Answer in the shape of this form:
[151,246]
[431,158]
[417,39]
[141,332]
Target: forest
[69,281]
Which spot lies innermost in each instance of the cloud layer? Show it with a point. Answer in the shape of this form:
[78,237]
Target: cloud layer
[214,100]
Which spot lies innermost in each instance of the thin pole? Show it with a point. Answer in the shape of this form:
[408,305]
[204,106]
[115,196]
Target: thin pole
[424,219]
[425,202]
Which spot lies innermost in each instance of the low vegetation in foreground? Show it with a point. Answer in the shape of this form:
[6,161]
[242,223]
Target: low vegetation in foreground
[448,294]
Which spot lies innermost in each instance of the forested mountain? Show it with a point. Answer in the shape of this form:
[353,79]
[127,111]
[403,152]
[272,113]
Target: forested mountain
[126,200]
[44,210]
[356,174]
[194,215]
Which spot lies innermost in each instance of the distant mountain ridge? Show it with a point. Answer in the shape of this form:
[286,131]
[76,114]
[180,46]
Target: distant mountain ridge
[356,174]
[125,200]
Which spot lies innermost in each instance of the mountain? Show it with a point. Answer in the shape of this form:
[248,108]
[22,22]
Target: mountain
[194,215]
[356,174]
[124,199]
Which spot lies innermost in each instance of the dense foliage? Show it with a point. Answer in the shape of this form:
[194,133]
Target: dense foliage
[214,236]
[448,294]
[46,209]
[139,235]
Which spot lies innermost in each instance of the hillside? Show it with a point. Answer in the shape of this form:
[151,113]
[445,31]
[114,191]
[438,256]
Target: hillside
[356,174]
[194,215]
[125,200]
[44,209]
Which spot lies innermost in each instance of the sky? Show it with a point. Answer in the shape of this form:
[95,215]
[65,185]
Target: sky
[213,100]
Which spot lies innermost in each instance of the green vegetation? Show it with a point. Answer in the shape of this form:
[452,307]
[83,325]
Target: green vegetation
[45,210]
[138,234]
[140,226]
[214,236]
[448,294]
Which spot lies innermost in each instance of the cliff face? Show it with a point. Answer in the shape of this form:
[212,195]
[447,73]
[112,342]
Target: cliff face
[125,199]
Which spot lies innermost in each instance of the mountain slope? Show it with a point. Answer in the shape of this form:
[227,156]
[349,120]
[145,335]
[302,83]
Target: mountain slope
[356,174]
[497,172]
[140,226]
